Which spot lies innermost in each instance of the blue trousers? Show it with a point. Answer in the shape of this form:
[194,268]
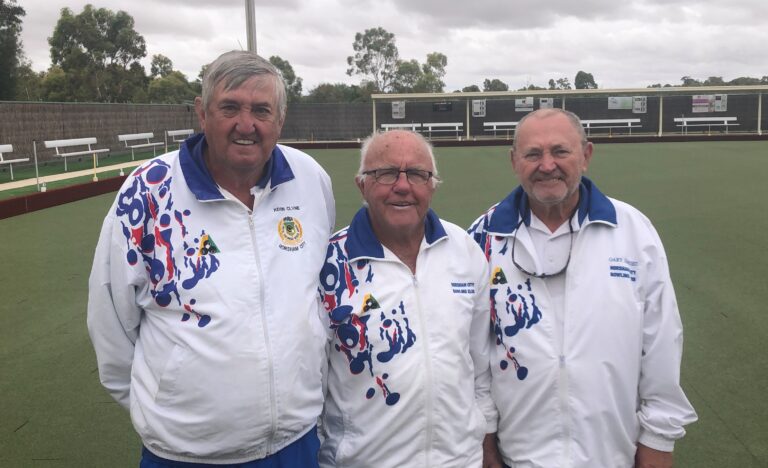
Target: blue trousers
[300,454]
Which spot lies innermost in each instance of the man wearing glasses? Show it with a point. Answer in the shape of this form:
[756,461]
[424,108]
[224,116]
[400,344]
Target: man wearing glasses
[586,367]
[406,300]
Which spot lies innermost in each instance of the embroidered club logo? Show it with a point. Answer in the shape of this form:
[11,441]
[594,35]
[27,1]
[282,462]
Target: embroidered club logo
[207,246]
[291,234]
[498,276]
[369,303]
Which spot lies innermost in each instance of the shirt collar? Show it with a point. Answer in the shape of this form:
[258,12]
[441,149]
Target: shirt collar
[363,243]
[201,183]
[593,206]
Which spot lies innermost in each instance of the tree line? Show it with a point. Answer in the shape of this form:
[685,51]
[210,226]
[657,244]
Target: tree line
[96,54]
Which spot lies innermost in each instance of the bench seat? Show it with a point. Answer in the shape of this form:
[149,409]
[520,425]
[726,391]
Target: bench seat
[709,122]
[145,138]
[73,142]
[10,162]
[177,136]
[438,127]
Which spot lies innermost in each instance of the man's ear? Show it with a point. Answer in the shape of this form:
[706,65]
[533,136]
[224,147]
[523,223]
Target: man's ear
[200,111]
[512,158]
[588,149]
[360,182]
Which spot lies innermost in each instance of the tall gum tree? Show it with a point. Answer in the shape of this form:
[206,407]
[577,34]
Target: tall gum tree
[99,51]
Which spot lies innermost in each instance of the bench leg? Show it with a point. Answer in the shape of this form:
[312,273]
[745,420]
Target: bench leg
[10,166]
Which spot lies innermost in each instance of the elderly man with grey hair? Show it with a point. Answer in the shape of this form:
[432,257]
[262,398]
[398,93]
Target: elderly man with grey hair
[202,305]
[406,302]
[586,362]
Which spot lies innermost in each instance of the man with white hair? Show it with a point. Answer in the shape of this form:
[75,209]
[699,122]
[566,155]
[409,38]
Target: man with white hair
[406,298]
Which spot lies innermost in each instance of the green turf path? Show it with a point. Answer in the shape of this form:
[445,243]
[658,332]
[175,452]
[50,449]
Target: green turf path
[56,166]
[707,200]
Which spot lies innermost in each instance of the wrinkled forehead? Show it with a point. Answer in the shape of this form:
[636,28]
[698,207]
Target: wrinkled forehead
[398,150]
[546,132]
[262,84]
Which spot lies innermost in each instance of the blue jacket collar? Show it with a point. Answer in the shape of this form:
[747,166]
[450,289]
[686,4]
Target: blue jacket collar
[592,204]
[200,181]
[362,242]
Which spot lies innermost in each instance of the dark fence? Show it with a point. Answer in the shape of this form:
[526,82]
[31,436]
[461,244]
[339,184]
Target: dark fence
[450,109]
[328,122]
[21,123]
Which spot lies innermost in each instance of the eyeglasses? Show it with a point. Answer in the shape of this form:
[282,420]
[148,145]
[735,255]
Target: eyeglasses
[545,275]
[389,176]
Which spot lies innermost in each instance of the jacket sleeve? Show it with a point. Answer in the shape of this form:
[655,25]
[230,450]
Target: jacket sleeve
[480,341]
[664,408]
[478,230]
[330,203]
[113,313]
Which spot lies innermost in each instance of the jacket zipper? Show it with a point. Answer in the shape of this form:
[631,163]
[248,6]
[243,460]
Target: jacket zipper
[272,399]
[428,372]
[563,373]
[563,394]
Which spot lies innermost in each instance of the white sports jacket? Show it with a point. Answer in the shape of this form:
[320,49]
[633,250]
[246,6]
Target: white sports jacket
[613,380]
[408,383]
[204,317]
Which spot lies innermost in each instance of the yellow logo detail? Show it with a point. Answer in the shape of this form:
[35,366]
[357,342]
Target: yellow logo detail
[290,231]
[369,302]
[498,276]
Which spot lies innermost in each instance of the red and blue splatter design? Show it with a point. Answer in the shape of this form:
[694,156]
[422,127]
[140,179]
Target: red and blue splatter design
[351,313]
[153,228]
[520,311]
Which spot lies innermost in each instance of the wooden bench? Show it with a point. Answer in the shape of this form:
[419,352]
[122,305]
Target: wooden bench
[445,127]
[506,127]
[708,122]
[143,139]
[58,144]
[414,127]
[611,124]
[177,136]
[9,149]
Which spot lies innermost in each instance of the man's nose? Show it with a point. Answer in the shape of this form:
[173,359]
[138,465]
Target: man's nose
[401,183]
[246,122]
[547,162]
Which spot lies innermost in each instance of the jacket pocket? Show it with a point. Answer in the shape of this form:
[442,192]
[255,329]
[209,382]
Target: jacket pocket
[479,423]
[167,383]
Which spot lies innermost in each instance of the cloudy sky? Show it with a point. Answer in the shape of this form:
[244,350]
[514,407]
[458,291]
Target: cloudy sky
[624,44]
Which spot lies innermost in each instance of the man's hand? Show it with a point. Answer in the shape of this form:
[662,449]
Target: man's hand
[646,457]
[491,455]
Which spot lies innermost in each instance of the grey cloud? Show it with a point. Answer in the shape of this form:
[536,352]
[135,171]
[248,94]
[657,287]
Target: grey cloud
[505,13]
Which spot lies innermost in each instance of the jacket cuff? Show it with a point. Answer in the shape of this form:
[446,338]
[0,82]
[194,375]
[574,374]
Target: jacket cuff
[655,441]
[491,425]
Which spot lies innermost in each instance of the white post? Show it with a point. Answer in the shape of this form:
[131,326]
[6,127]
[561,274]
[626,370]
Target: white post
[250,24]
[467,103]
[373,110]
[661,112]
[37,173]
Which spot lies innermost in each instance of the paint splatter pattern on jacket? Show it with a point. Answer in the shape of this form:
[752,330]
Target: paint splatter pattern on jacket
[154,230]
[356,316]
